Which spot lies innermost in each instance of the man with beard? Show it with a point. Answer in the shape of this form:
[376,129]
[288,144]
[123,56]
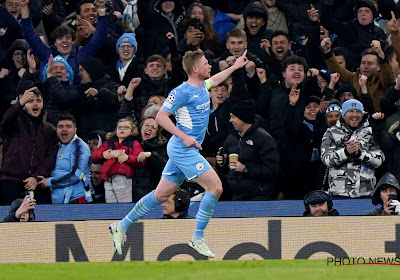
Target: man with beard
[30,143]
[319,204]
[349,151]
[190,102]
[70,179]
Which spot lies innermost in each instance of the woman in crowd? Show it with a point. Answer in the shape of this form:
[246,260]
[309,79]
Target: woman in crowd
[155,152]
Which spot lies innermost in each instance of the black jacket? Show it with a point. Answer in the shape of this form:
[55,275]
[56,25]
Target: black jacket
[390,146]
[219,126]
[146,178]
[259,152]
[59,97]
[146,89]
[332,212]
[98,112]
[303,155]
[352,35]
[297,16]
[254,41]
[388,101]
[154,25]
[134,70]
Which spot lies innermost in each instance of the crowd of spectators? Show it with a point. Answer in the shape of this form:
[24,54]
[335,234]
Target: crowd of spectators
[315,109]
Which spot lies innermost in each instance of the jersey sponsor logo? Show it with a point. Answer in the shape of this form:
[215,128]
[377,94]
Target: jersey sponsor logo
[199,166]
[203,107]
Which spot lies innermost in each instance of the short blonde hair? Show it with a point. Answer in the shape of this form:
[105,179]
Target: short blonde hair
[190,59]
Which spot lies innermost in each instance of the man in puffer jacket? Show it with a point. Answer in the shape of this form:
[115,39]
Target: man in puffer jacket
[349,151]
[253,176]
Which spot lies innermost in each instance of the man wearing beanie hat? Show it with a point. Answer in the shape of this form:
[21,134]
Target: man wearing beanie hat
[349,151]
[333,113]
[128,65]
[12,69]
[255,19]
[99,100]
[356,35]
[254,175]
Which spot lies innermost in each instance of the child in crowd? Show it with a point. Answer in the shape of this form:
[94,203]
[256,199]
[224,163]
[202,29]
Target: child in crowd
[120,153]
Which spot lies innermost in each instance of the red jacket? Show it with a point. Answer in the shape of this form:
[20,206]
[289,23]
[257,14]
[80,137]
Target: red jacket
[112,167]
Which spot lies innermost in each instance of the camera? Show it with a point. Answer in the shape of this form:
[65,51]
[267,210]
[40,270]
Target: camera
[392,196]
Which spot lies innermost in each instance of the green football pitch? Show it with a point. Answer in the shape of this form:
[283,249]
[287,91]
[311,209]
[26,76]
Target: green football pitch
[198,270]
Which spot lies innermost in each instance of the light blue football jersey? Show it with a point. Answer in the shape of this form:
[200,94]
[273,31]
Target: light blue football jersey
[191,106]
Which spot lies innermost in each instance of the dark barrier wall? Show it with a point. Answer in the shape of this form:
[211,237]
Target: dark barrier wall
[76,212]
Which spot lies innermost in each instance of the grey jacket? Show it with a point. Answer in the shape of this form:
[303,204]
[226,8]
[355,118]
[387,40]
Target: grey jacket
[351,176]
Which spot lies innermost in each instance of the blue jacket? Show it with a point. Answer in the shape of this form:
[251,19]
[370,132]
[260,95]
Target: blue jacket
[77,54]
[71,173]
[222,24]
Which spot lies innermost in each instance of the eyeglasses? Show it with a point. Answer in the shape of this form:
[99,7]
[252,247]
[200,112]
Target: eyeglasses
[18,54]
[149,125]
[129,47]
[124,127]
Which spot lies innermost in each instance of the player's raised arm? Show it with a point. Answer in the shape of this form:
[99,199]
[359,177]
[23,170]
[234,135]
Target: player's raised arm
[221,76]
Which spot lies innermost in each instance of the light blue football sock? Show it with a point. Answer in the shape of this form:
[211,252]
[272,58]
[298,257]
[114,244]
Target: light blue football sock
[141,209]
[203,216]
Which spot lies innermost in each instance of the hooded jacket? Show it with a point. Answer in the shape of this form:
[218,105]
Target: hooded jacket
[351,176]
[387,179]
[259,152]
[14,207]
[9,83]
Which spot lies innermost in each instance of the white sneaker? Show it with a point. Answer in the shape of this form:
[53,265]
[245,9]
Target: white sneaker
[118,238]
[200,246]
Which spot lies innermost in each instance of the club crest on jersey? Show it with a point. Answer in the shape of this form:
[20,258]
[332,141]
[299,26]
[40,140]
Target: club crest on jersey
[199,166]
